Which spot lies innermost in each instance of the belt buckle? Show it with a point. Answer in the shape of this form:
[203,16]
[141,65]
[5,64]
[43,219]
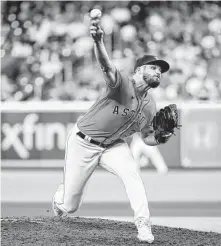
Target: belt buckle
[87,138]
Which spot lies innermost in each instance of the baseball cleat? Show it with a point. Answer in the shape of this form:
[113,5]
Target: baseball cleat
[57,211]
[144,230]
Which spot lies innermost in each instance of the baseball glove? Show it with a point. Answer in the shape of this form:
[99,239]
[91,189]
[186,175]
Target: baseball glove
[164,123]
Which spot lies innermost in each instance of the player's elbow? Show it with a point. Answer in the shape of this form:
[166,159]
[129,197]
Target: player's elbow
[111,77]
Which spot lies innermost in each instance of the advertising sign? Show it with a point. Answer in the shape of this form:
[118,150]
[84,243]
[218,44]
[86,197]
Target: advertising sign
[40,135]
[201,137]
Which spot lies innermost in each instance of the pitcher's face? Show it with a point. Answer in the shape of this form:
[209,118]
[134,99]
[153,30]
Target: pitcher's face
[151,75]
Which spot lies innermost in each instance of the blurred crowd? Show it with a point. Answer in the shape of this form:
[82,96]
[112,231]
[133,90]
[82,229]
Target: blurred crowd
[47,52]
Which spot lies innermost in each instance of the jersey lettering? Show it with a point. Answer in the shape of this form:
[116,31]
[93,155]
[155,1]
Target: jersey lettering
[142,119]
[125,112]
[132,113]
[115,110]
[129,114]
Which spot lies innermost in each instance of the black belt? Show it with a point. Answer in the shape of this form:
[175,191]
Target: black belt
[83,136]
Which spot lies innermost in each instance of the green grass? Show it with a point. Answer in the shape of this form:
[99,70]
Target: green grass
[94,232]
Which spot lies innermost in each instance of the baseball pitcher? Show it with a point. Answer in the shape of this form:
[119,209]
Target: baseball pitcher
[98,138]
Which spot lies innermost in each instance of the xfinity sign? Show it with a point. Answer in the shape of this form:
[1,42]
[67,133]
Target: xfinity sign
[26,136]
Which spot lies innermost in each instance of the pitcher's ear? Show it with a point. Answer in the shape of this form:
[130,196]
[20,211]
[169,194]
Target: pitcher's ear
[138,69]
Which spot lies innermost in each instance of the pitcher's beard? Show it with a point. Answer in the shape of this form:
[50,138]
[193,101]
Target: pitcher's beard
[151,82]
[154,84]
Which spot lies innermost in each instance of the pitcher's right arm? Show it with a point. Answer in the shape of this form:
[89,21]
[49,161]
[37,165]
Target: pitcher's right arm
[102,57]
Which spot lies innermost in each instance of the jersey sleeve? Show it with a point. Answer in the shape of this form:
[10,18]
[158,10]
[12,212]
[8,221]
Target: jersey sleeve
[118,80]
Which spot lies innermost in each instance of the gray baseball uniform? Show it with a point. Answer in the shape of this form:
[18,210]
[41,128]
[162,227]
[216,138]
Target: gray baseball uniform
[97,139]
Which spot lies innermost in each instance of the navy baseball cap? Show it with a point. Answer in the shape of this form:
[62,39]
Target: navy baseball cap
[148,60]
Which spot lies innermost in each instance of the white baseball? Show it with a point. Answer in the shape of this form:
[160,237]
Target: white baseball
[95,13]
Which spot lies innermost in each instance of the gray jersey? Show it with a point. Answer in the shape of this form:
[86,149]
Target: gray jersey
[119,113]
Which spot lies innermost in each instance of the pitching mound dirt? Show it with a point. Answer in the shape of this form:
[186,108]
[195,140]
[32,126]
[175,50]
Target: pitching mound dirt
[94,232]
